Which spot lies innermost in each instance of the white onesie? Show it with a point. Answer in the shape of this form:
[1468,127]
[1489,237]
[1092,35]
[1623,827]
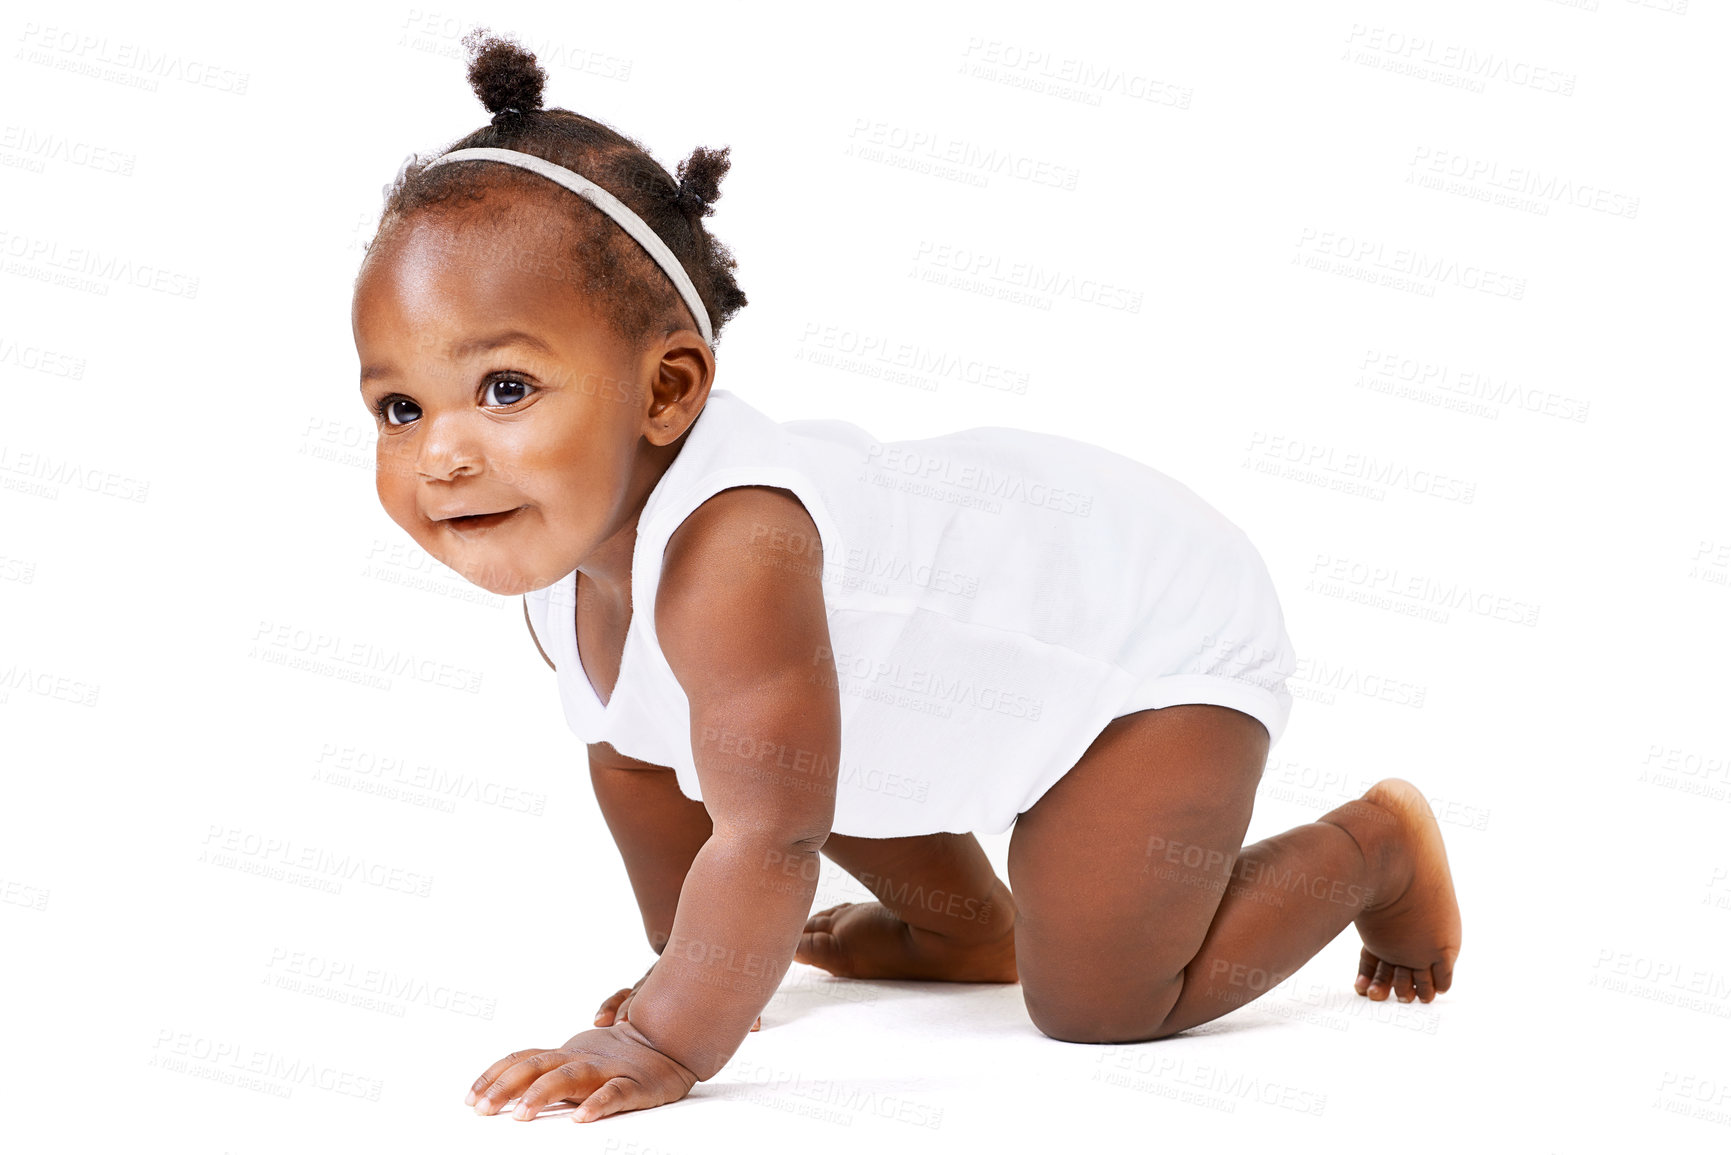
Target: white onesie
[995,597]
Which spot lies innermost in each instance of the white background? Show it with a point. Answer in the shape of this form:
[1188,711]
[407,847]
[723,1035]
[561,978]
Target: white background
[1476,249]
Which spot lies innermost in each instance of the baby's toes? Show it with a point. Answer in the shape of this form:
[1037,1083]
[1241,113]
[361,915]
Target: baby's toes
[834,955]
[824,919]
[821,948]
[1403,984]
[1443,973]
[1380,981]
[1367,964]
[1421,982]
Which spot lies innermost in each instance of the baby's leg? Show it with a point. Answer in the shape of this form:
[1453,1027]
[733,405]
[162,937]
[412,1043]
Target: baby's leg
[942,913]
[1140,915]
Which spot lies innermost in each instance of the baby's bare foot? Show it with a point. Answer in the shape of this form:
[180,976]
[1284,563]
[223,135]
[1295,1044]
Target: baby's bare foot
[863,940]
[1413,933]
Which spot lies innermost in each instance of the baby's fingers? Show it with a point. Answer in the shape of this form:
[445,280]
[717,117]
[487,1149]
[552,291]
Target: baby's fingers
[493,1072]
[620,1093]
[610,1009]
[507,1078]
[574,1079]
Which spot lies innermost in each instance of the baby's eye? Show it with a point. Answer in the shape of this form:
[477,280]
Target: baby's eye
[387,410]
[513,391]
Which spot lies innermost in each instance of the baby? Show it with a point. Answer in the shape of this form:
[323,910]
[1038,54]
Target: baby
[786,639]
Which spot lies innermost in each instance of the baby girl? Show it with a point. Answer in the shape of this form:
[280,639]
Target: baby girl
[786,639]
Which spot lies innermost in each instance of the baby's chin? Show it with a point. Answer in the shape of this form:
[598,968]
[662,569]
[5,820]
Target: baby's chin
[512,584]
[514,589]
[504,580]
[505,569]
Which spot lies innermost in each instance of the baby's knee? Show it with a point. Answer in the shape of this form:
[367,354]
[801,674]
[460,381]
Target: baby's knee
[1077,1016]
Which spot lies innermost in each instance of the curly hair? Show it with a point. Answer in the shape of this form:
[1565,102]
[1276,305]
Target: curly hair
[618,277]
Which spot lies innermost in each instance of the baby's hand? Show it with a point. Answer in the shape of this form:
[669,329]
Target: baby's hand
[617,1008]
[602,1071]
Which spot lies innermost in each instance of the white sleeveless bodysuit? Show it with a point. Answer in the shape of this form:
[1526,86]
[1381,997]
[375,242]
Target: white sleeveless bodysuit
[995,597]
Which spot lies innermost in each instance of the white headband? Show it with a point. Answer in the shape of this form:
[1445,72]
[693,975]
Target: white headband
[607,203]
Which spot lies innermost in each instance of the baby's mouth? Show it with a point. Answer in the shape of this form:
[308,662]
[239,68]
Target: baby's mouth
[482,520]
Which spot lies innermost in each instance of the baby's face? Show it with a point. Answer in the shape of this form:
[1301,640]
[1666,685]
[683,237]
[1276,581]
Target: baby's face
[509,419]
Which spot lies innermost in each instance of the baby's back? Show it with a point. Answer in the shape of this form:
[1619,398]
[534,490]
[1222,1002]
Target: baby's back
[1069,543]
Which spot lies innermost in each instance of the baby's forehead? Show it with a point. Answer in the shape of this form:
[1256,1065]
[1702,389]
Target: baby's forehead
[441,309]
[503,227]
[476,257]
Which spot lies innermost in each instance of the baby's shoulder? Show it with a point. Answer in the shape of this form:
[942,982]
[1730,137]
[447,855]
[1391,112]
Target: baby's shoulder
[761,520]
[739,606]
[740,547]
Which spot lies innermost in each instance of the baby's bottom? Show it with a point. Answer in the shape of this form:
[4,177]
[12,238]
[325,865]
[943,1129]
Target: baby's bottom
[1137,911]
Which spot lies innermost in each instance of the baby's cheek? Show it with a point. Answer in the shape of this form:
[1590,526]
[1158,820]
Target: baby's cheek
[400,508]
[394,482]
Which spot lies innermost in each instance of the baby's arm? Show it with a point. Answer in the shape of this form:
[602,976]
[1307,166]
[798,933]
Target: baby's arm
[744,628]
[658,831]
